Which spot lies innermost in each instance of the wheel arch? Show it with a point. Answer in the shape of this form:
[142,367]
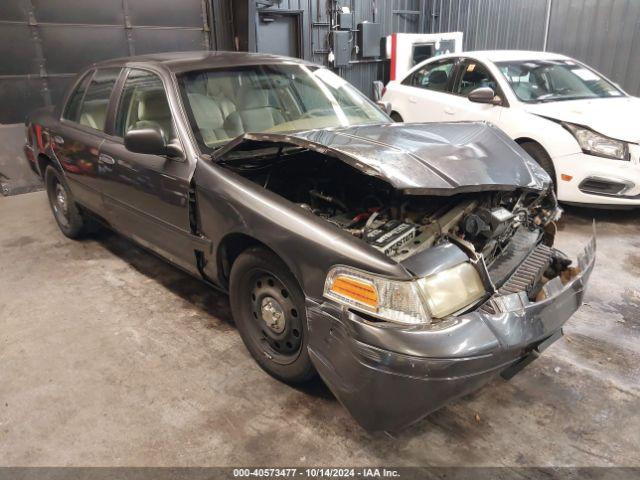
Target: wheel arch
[233,245]
[44,161]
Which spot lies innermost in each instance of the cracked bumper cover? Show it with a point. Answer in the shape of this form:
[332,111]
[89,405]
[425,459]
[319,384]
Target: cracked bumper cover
[389,377]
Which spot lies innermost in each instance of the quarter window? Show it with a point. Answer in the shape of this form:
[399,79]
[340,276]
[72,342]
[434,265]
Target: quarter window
[475,75]
[72,109]
[95,105]
[433,76]
[144,104]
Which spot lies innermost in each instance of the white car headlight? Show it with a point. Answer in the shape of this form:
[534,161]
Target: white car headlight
[594,143]
[405,302]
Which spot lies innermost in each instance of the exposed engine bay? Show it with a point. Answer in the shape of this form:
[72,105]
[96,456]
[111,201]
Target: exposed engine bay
[501,227]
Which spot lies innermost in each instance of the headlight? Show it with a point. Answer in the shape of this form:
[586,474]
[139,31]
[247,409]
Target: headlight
[406,302]
[594,143]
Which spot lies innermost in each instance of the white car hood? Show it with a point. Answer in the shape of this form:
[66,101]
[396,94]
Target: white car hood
[614,117]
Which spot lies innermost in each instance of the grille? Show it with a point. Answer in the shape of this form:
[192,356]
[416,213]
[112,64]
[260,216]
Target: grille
[529,272]
[525,276]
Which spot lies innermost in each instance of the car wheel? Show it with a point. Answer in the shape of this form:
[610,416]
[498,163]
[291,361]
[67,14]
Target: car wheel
[541,156]
[396,117]
[269,310]
[64,208]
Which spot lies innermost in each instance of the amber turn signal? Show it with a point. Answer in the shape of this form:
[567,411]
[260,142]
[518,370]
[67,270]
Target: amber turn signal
[566,178]
[356,290]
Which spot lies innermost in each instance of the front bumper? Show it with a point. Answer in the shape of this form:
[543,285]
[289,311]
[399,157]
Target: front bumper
[388,377]
[587,169]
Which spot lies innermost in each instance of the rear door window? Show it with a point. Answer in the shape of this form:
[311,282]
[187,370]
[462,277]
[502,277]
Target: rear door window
[93,112]
[72,109]
[433,76]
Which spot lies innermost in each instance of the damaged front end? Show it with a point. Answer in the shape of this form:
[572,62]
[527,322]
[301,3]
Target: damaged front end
[484,291]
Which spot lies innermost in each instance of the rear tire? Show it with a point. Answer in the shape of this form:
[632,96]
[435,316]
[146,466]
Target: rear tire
[396,117]
[542,158]
[65,210]
[268,308]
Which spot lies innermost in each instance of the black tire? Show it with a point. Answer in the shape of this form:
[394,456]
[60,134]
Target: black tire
[65,210]
[396,117]
[541,156]
[261,286]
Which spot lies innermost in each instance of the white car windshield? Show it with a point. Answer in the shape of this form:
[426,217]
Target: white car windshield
[536,81]
[225,103]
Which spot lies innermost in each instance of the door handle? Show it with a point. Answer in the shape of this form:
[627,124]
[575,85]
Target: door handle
[413,100]
[449,111]
[58,140]
[106,159]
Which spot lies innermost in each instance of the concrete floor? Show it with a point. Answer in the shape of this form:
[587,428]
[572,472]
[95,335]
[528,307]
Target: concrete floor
[16,175]
[110,357]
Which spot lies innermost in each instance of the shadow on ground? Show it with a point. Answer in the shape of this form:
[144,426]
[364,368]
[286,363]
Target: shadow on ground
[209,300]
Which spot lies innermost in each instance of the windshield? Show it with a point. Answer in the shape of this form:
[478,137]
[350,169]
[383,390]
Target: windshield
[536,81]
[225,103]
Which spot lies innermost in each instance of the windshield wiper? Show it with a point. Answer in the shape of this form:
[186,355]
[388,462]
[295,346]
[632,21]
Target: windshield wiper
[561,99]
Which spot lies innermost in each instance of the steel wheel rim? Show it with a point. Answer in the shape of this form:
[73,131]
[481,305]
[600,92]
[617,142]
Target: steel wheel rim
[60,203]
[276,323]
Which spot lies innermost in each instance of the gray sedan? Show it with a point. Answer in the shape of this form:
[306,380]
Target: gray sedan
[406,264]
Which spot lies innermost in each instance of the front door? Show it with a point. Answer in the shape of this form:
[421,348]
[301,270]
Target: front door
[471,75]
[147,196]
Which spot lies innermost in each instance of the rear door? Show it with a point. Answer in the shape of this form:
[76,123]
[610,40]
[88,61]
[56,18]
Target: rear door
[147,196]
[423,96]
[76,141]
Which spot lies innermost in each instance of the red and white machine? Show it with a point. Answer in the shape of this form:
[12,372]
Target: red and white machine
[407,49]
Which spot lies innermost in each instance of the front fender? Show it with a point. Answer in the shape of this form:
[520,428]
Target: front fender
[309,246]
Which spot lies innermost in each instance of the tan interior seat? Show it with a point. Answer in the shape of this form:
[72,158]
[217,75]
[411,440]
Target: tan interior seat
[154,109]
[254,114]
[94,114]
[221,91]
[209,118]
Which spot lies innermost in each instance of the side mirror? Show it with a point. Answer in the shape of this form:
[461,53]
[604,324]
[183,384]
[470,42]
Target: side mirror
[148,140]
[378,89]
[485,95]
[385,107]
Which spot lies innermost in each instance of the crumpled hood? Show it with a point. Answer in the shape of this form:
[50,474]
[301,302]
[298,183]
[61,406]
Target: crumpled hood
[613,117]
[424,158]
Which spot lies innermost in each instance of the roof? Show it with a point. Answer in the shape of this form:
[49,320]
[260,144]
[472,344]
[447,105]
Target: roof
[185,61]
[510,55]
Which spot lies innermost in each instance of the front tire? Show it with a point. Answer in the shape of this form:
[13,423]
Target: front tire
[65,209]
[268,307]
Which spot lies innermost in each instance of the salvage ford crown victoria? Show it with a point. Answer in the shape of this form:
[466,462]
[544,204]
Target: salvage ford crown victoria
[405,264]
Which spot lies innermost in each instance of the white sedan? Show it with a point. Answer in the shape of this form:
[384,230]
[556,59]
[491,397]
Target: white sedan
[578,125]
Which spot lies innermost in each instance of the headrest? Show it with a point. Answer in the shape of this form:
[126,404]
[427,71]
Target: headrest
[253,98]
[220,85]
[153,105]
[196,83]
[438,76]
[206,111]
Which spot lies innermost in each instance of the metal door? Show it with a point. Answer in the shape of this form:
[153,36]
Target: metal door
[279,33]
